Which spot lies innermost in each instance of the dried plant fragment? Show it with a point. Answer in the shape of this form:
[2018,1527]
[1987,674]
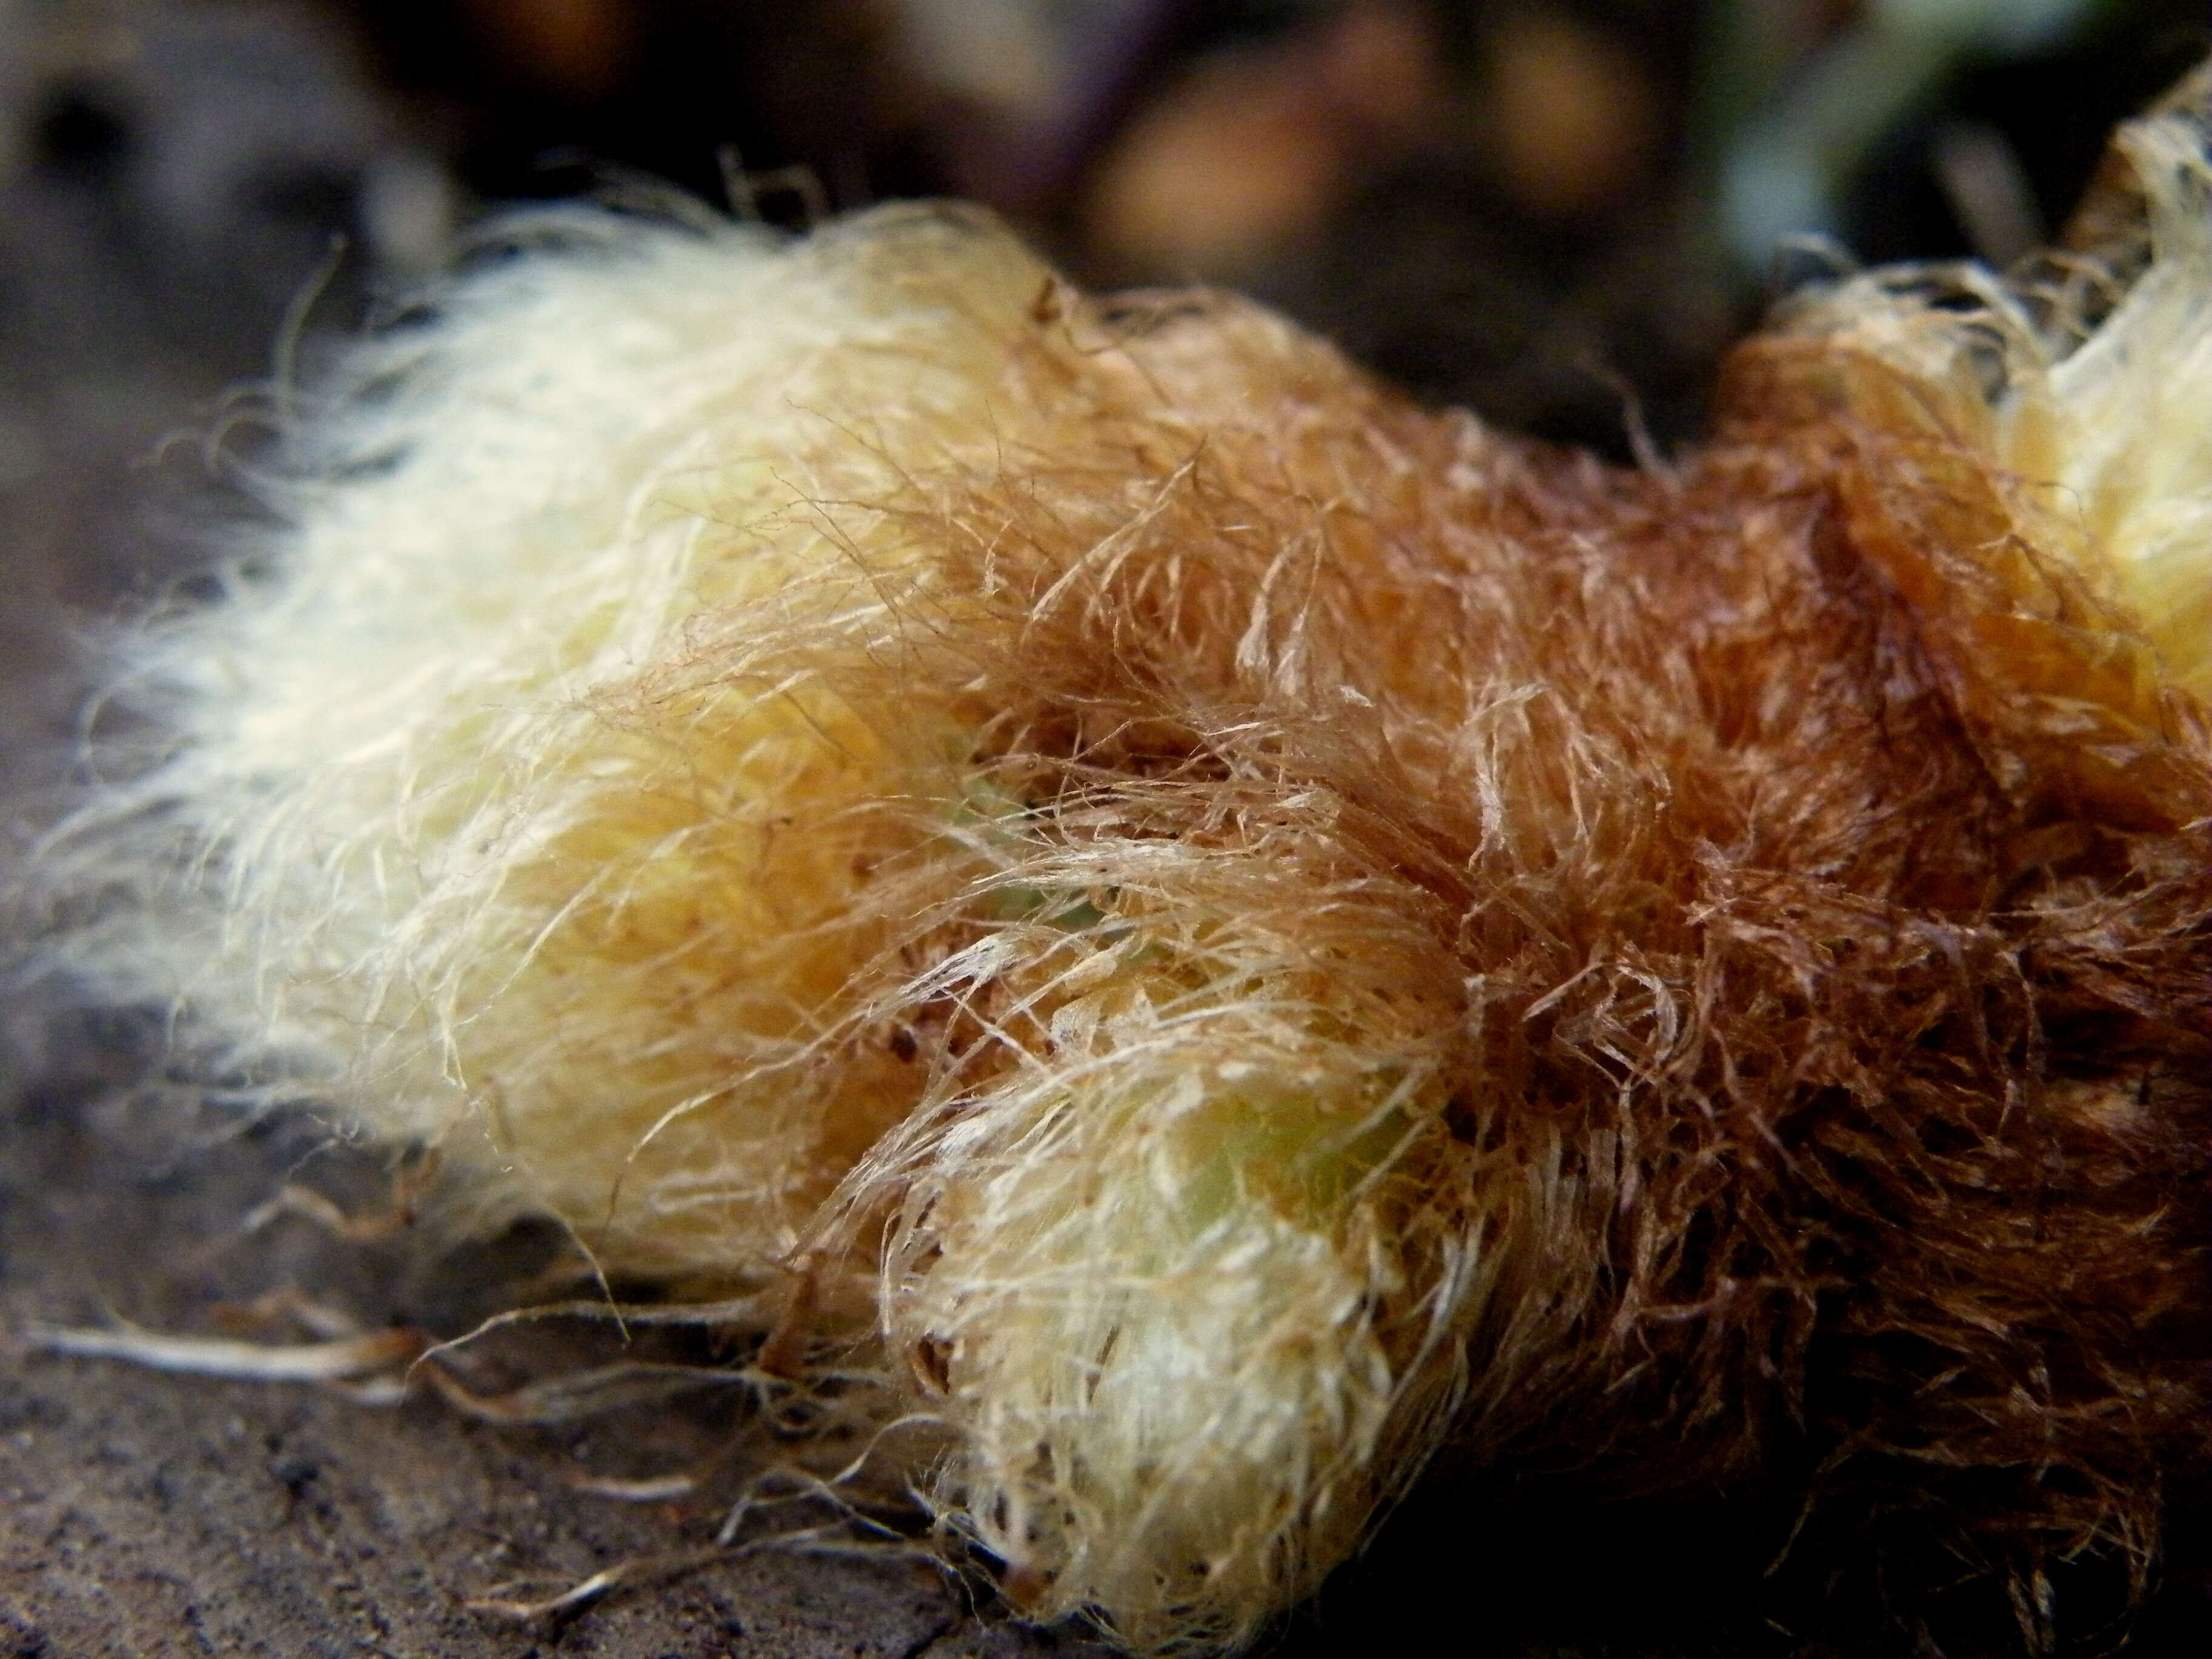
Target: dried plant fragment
[1225,937]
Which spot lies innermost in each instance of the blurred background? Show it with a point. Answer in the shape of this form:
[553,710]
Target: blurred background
[1549,209]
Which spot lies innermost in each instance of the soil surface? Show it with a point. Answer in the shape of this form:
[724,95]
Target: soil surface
[144,1514]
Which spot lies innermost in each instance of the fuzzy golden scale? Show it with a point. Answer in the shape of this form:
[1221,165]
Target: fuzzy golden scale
[1243,935]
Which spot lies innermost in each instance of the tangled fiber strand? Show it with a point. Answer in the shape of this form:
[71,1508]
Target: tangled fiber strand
[1234,935]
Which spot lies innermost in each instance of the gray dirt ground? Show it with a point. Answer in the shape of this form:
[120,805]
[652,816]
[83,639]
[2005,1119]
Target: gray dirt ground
[144,1515]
